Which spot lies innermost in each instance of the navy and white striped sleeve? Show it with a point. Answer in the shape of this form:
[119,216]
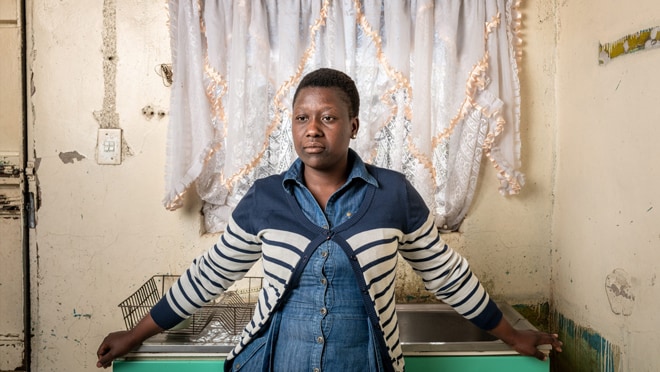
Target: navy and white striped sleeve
[445,272]
[210,274]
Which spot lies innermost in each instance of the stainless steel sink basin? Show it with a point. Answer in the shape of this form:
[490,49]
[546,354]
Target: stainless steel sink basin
[437,323]
[425,329]
[437,329]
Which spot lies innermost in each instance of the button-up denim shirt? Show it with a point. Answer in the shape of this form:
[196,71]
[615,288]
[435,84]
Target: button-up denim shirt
[324,321]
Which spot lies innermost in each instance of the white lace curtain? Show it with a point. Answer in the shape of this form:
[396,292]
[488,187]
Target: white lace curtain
[437,79]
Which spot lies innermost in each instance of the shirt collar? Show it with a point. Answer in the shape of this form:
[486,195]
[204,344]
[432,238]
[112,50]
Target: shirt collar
[358,170]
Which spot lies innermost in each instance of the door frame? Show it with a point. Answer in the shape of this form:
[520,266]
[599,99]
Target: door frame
[30,195]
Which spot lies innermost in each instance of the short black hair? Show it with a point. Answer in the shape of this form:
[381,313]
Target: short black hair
[331,78]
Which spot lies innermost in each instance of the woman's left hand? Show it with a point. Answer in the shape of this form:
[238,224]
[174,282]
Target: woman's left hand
[526,342]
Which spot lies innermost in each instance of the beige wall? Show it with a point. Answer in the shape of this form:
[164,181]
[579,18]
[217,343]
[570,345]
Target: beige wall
[102,230]
[607,212]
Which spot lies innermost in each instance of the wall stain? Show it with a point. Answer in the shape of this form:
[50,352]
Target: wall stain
[537,314]
[584,349]
[410,287]
[78,315]
[620,292]
[71,157]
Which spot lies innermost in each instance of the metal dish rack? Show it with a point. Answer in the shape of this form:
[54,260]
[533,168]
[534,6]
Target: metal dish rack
[236,307]
[233,309]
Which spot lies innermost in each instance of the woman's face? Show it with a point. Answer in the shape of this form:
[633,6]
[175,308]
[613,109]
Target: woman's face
[322,128]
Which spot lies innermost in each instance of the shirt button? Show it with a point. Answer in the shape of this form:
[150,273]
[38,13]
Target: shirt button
[324,253]
[324,311]
[319,339]
[348,214]
[316,370]
[324,281]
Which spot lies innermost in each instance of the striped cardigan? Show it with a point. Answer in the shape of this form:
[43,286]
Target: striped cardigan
[392,220]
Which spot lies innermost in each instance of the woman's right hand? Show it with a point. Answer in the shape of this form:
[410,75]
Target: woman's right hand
[115,345]
[118,344]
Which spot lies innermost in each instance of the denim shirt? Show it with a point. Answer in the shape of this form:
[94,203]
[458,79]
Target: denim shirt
[324,320]
[323,326]
[341,204]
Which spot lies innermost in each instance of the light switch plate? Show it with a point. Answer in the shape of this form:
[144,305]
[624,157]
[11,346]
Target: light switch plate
[109,146]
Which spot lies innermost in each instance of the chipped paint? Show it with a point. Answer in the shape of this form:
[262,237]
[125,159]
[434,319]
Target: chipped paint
[10,206]
[584,349]
[9,170]
[71,157]
[642,40]
[618,286]
[108,117]
[11,355]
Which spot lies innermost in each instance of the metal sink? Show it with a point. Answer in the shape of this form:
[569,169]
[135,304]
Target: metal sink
[424,329]
[437,329]
[424,323]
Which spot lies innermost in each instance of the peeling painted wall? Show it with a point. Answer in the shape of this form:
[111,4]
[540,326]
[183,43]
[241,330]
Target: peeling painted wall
[11,283]
[11,199]
[606,228]
[102,230]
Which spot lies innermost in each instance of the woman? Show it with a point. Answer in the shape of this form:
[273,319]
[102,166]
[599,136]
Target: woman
[329,230]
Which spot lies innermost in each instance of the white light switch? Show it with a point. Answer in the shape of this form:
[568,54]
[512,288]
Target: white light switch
[109,146]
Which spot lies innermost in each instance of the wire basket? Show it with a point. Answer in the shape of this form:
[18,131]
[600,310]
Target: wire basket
[236,306]
[232,305]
